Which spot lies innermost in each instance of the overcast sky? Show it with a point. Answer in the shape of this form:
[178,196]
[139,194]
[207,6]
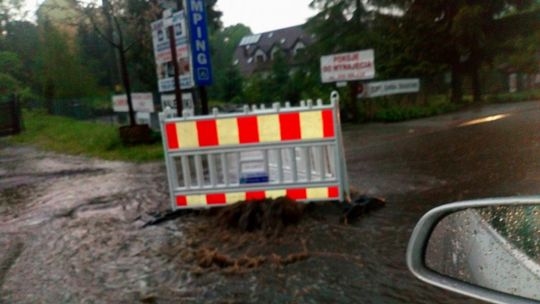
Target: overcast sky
[265,15]
[259,15]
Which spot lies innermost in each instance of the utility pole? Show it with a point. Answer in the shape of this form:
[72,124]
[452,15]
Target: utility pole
[177,85]
[203,95]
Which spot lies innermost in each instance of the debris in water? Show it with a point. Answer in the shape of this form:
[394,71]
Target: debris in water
[268,215]
[207,258]
[361,205]
[168,216]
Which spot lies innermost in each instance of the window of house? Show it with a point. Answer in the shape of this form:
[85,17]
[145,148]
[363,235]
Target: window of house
[299,48]
[260,56]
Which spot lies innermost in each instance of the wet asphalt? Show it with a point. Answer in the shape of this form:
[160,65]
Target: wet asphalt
[71,228]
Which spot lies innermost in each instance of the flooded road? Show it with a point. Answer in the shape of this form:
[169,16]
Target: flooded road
[71,228]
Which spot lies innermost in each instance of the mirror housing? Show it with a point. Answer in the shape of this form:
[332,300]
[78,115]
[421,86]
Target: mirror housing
[420,237]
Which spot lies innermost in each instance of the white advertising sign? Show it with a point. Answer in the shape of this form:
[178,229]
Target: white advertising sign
[170,101]
[163,56]
[392,87]
[142,102]
[143,118]
[348,66]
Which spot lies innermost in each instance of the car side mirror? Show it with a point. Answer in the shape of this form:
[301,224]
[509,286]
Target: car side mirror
[487,249]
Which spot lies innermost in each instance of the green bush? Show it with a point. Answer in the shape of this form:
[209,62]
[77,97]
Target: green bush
[395,113]
[527,95]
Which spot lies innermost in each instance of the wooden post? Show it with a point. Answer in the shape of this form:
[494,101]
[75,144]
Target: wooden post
[204,100]
[177,86]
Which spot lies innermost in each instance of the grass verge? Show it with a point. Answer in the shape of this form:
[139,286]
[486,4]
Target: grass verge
[70,136]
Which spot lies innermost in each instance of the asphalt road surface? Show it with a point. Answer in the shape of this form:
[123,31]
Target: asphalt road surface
[71,227]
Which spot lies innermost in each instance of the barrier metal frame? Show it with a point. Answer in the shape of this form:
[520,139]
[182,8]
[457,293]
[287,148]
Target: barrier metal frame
[335,143]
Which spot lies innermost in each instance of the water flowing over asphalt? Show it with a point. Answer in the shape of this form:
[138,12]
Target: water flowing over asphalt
[71,228]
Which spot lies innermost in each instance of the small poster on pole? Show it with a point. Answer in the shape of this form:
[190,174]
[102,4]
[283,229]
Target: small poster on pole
[163,56]
[169,101]
[142,102]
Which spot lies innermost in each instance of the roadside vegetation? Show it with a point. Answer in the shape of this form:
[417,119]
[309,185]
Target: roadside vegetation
[392,110]
[66,135]
[527,95]
[94,139]
[77,54]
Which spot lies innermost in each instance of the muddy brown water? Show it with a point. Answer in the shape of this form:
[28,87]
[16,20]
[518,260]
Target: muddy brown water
[71,227]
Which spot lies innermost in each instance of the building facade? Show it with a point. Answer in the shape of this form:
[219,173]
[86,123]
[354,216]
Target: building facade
[257,53]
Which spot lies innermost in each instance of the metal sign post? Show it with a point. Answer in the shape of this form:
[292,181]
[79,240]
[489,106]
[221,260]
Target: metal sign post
[172,54]
[177,87]
[187,52]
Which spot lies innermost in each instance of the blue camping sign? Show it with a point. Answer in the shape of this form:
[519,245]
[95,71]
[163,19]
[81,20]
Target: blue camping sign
[200,48]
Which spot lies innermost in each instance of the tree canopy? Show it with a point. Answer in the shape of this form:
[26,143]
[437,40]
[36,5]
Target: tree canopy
[70,50]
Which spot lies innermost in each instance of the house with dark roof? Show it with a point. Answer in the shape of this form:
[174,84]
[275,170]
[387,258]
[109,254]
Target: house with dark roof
[256,53]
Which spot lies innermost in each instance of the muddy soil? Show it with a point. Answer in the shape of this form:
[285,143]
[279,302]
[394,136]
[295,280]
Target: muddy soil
[73,231]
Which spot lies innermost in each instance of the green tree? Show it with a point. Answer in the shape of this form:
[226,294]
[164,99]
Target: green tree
[279,79]
[463,35]
[10,68]
[123,25]
[213,15]
[342,26]
[255,90]
[223,45]
[62,74]
[92,50]
[10,10]
[21,38]
[232,85]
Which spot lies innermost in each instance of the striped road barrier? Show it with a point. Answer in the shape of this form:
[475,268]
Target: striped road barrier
[221,159]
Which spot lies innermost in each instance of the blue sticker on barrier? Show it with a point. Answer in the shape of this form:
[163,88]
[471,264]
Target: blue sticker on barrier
[254,178]
[200,47]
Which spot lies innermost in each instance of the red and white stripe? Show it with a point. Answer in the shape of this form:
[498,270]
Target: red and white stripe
[251,129]
[222,199]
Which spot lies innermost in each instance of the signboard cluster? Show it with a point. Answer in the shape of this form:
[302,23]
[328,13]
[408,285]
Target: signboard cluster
[192,48]
[360,65]
[162,52]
